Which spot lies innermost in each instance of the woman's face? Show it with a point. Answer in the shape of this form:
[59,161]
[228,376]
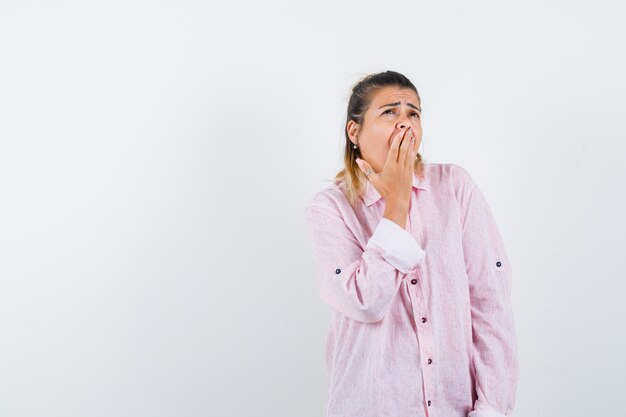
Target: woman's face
[393,109]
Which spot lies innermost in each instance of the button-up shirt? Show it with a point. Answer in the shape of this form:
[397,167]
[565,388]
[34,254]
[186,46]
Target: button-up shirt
[422,321]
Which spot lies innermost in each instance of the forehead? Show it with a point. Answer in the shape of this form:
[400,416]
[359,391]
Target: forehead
[392,94]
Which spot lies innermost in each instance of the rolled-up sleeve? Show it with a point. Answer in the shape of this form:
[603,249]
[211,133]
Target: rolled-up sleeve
[357,281]
[399,247]
[495,360]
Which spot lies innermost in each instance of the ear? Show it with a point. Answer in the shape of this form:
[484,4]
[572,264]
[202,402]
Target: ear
[353,128]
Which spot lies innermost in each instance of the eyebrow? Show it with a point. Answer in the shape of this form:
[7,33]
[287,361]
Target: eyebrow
[397,103]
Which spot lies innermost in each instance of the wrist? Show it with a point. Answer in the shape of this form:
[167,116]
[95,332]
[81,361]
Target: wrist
[397,213]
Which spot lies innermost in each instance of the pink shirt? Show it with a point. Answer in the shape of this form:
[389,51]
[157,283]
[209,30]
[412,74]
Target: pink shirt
[422,322]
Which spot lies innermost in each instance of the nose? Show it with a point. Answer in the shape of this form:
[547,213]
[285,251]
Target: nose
[403,123]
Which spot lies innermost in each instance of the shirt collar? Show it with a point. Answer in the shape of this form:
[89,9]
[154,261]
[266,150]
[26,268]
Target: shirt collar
[370,195]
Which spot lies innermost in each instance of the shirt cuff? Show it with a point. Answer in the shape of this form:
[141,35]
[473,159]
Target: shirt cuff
[399,247]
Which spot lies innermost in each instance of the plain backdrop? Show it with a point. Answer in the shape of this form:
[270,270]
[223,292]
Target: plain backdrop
[155,159]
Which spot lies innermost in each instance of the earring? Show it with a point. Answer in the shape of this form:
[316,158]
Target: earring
[354,146]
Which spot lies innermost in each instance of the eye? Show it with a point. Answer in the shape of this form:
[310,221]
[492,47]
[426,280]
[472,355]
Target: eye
[412,114]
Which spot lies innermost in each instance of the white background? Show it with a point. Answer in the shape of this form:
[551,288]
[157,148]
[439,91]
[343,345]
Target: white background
[155,159]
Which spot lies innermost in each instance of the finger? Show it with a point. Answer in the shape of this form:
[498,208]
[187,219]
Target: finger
[410,155]
[366,168]
[392,156]
[404,146]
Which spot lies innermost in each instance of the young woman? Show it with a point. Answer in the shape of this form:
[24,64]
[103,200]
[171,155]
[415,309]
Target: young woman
[412,264]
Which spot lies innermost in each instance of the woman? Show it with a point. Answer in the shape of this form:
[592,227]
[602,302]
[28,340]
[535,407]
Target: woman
[412,263]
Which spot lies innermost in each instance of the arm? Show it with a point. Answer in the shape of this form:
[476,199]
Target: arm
[489,275]
[359,283]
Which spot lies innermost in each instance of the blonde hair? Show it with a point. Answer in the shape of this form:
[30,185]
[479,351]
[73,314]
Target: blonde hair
[351,179]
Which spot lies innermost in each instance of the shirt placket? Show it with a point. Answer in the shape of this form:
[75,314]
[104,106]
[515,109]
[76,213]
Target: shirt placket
[424,334]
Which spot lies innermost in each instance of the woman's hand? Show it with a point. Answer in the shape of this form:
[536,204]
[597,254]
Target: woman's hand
[395,180]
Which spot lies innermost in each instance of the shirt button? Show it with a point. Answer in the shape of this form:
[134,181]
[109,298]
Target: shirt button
[413,281]
[429,403]
[423,319]
[430,361]
[498,264]
[337,271]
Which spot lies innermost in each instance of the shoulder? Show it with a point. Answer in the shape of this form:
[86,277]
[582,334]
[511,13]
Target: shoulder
[449,175]
[461,177]
[330,197]
[452,180]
